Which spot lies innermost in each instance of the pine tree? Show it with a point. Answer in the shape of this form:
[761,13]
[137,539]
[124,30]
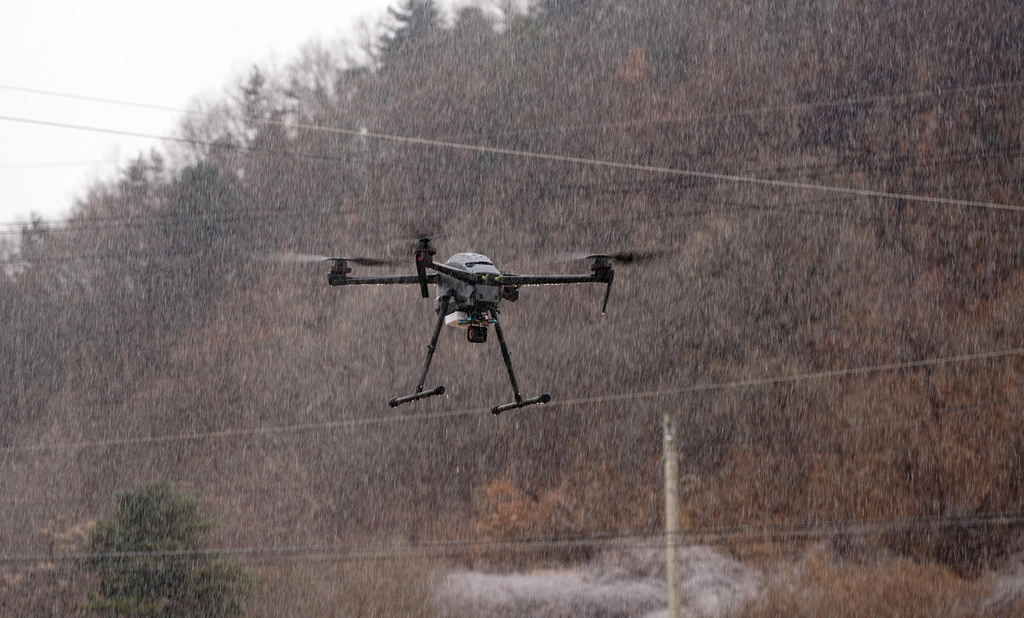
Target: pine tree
[417,24]
[152,558]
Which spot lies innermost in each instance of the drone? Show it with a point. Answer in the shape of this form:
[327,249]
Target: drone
[469,294]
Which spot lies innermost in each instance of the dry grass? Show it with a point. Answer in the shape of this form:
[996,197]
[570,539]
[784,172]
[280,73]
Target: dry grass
[48,589]
[822,585]
[354,589]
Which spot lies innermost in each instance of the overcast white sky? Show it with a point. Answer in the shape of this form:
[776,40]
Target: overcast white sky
[157,52]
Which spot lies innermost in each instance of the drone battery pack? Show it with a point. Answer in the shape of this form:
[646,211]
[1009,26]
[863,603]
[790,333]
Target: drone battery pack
[458,319]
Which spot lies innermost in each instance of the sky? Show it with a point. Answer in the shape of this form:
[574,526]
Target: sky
[152,52]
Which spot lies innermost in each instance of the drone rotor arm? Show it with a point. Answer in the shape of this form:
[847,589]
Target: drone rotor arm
[385,280]
[456,273]
[518,280]
[601,272]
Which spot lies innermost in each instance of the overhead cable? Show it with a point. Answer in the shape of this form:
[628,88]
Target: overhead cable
[579,401]
[937,92]
[637,167]
[452,548]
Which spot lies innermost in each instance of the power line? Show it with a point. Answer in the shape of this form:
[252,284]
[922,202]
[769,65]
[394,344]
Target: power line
[839,167]
[846,453]
[790,532]
[858,428]
[580,401]
[256,431]
[267,213]
[80,97]
[180,140]
[713,176]
[729,178]
[22,166]
[251,216]
[775,109]
[94,223]
[255,215]
[821,375]
[936,93]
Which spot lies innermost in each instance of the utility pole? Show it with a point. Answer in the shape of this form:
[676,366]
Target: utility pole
[671,456]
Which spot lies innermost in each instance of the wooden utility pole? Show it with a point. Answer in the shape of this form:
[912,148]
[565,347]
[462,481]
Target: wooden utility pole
[672,516]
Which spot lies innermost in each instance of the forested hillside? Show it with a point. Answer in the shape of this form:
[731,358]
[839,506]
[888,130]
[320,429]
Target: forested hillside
[149,338]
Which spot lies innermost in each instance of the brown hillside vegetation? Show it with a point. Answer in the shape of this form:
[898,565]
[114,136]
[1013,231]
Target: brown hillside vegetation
[145,338]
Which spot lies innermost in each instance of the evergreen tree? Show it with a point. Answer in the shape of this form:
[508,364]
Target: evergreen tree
[152,558]
[417,24]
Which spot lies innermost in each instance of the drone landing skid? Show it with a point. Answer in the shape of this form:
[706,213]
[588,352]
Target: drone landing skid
[419,393]
[397,401]
[520,404]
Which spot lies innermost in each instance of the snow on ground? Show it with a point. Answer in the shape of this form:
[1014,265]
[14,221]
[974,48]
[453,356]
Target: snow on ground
[1008,589]
[623,583]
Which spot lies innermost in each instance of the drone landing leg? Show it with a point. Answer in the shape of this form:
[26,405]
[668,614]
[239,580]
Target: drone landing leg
[520,402]
[438,390]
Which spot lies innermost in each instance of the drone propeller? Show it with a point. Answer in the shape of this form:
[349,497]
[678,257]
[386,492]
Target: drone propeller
[415,233]
[311,258]
[623,257]
[602,265]
[366,261]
